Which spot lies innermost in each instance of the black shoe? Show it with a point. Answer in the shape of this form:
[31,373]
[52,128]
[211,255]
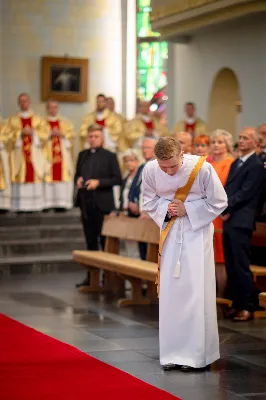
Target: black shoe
[86,282]
[170,367]
[187,368]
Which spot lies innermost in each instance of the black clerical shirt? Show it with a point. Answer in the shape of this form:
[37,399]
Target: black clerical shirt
[102,165]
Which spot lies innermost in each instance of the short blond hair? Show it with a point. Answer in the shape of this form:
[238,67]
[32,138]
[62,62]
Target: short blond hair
[166,148]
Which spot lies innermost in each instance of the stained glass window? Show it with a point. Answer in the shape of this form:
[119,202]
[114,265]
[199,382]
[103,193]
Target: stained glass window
[143,19]
[152,55]
[152,68]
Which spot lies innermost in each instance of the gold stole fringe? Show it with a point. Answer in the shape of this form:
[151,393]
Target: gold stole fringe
[180,194]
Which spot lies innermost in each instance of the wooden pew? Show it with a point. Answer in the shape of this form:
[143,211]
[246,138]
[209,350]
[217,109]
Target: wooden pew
[119,268]
[262,299]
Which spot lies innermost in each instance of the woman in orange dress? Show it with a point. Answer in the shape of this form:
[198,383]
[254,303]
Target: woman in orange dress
[221,151]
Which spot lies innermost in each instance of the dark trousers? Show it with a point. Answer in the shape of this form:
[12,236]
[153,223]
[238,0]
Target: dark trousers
[142,250]
[92,221]
[236,242]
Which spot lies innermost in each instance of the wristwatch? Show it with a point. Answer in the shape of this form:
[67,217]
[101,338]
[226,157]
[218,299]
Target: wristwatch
[167,217]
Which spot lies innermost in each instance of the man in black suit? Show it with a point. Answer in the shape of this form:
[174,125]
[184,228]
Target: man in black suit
[261,217]
[97,173]
[243,187]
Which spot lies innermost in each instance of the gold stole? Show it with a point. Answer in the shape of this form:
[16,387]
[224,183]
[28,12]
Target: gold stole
[180,194]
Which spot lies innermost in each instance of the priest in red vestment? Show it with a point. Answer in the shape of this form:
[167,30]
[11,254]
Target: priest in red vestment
[29,133]
[111,123]
[58,187]
[191,124]
[143,125]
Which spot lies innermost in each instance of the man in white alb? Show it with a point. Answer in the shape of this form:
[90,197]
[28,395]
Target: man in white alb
[183,195]
[110,122]
[29,133]
[58,186]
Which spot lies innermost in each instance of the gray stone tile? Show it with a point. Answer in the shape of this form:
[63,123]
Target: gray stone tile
[257,357]
[124,332]
[137,368]
[189,386]
[248,380]
[138,343]
[205,394]
[71,336]
[118,356]
[39,299]
[153,354]
[41,322]
[96,345]
[252,396]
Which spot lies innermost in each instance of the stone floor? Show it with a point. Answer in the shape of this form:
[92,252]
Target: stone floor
[128,338]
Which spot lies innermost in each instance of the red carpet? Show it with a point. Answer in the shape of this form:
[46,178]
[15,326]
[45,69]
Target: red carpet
[34,366]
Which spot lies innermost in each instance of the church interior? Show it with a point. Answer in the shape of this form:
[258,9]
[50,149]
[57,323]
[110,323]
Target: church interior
[91,219]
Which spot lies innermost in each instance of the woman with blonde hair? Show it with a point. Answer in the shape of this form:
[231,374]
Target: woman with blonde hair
[221,152]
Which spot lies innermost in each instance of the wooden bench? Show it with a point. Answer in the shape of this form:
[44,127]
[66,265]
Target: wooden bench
[262,299]
[119,268]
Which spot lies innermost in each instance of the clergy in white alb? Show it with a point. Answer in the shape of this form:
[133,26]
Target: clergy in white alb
[191,124]
[29,133]
[111,123]
[142,126]
[5,178]
[187,292]
[58,186]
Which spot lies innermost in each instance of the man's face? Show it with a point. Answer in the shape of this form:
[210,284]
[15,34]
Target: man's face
[110,104]
[144,107]
[52,108]
[190,111]
[262,134]
[185,140]
[101,103]
[246,141]
[95,139]
[24,103]
[171,166]
[148,149]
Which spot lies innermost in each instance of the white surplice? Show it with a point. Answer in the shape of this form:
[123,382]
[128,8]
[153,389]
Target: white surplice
[29,196]
[187,306]
[5,195]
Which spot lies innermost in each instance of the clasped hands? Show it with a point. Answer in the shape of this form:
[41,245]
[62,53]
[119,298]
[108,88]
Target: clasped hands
[27,131]
[177,209]
[56,131]
[90,184]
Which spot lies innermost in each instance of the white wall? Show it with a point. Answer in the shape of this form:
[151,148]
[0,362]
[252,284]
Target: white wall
[1,61]
[242,48]
[80,28]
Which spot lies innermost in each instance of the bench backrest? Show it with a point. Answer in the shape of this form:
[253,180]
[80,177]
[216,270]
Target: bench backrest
[140,230]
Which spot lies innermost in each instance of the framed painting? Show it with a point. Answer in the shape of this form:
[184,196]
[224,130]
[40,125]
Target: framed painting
[65,79]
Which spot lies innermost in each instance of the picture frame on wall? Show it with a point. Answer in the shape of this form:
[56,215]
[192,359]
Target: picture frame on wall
[65,79]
